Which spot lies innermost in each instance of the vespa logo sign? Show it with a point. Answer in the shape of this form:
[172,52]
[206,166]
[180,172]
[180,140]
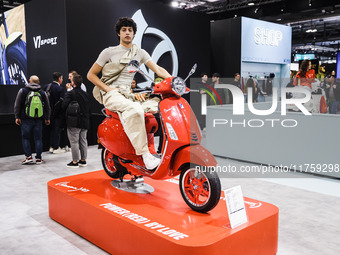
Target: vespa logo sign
[238,106]
[264,36]
[38,42]
[164,46]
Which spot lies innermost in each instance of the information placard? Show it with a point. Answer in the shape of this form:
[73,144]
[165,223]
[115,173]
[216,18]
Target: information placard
[235,205]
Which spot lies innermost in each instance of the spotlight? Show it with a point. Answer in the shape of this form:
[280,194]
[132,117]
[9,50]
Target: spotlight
[251,4]
[174,4]
[310,3]
[257,9]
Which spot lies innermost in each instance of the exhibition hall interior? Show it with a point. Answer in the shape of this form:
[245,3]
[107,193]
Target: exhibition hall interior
[170,127]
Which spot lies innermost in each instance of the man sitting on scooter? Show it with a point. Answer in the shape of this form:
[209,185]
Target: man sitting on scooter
[114,91]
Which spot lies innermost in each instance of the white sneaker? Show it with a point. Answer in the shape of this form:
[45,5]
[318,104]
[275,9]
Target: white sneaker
[59,150]
[51,150]
[150,161]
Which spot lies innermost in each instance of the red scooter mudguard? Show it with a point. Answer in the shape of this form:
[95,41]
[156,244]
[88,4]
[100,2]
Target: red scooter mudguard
[194,154]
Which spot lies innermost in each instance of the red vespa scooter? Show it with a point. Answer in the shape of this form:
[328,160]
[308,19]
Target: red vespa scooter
[181,150]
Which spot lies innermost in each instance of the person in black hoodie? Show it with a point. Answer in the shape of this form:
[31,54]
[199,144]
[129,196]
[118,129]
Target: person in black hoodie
[56,94]
[77,125]
[29,124]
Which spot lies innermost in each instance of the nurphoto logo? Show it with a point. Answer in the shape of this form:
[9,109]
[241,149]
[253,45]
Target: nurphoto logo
[238,106]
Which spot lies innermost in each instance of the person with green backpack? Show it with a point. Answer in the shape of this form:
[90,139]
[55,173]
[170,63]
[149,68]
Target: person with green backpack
[30,109]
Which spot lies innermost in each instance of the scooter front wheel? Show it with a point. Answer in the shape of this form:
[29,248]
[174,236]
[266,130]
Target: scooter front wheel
[201,190]
[111,167]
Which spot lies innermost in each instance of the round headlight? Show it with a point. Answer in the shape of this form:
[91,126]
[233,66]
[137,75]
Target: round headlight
[178,85]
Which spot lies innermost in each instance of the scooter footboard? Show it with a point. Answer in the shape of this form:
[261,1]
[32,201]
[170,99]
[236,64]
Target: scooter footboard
[195,154]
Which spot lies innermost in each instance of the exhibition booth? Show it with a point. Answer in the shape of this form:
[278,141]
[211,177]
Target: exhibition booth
[293,140]
[254,48]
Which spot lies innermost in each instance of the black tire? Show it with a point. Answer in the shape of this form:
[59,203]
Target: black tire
[17,64]
[201,190]
[111,167]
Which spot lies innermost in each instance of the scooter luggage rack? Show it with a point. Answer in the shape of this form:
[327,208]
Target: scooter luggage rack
[135,185]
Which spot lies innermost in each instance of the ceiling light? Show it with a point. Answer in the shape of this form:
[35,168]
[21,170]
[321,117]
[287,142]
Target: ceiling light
[174,4]
[251,4]
[311,30]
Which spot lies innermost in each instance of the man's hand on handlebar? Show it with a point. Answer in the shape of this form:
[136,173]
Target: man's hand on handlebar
[140,97]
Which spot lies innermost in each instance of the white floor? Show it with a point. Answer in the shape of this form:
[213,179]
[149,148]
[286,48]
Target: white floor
[309,208]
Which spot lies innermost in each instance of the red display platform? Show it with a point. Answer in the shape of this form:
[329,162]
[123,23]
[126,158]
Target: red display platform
[158,223]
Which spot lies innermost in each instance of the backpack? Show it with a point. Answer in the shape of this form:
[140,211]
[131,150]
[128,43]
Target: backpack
[73,114]
[34,106]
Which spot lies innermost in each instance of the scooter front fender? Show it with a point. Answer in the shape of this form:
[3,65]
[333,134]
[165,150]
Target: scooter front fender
[194,154]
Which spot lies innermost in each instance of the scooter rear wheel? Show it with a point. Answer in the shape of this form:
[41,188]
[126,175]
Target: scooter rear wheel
[201,190]
[111,167]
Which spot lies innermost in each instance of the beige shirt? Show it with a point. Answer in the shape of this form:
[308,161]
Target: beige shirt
[114,54]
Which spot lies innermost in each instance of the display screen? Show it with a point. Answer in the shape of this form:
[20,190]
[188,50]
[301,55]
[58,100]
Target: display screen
[13,47]
[299,57]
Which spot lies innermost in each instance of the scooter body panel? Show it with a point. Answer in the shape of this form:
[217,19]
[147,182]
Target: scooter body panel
[180,129]
[194,154]
[112,136]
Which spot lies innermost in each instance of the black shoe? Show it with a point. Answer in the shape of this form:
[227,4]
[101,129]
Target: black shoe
[82,163]
[72,165]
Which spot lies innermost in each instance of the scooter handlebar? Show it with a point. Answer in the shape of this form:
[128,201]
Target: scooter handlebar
[143,90]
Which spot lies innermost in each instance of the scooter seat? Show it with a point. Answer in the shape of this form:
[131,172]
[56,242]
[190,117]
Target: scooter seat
[112,114]
[151,124]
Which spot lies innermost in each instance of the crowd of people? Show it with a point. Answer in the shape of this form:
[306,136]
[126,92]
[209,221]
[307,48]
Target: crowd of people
[305,77]
[328,87]
[224,95]
[60,108]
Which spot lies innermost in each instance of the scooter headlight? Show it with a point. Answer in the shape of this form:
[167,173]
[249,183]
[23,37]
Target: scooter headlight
[178,85]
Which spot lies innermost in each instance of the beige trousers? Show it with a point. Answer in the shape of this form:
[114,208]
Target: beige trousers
[132,117]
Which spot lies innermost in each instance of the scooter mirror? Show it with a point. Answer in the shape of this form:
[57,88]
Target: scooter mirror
[193,69]
[133,66]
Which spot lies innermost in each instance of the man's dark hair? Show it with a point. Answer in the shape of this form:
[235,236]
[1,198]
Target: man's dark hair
[202,74]
[125,22]
[236,74]
[216,75]
[56,76]
[78,80]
